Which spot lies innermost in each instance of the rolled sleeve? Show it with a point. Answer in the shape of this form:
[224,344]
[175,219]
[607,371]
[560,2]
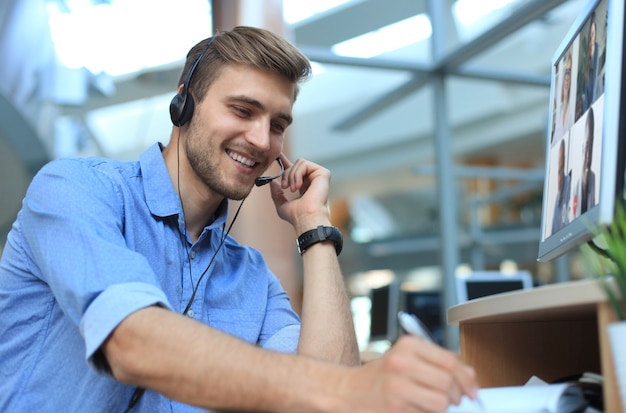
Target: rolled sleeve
[285,341]
[111,307]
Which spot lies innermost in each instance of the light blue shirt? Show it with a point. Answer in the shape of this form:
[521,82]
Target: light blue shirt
[95,241]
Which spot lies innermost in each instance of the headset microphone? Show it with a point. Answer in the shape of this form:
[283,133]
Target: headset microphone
[267,179]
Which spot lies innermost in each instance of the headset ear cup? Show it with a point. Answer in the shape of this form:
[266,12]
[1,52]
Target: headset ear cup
[176,107]
[181,109]
[188,109]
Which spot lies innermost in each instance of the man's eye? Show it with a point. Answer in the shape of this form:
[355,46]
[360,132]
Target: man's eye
[242,111]
[278,127]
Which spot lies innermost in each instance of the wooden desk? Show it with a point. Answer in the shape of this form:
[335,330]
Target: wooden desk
[551,332]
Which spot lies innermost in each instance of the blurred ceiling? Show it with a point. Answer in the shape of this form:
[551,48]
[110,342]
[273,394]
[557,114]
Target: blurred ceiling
[371,121]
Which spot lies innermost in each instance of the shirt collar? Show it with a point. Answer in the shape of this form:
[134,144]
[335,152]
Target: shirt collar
[161,196]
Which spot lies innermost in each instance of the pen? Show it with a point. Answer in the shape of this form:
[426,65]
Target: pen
[414,326]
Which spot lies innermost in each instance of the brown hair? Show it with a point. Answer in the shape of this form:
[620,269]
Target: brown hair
[250,46]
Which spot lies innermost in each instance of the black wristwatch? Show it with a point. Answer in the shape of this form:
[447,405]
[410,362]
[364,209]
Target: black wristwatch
[320,234]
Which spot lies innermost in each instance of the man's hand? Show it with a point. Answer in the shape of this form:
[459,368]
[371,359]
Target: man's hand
[301,197]
[413,376]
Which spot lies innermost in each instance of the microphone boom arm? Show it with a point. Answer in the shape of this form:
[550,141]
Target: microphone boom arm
[263,180]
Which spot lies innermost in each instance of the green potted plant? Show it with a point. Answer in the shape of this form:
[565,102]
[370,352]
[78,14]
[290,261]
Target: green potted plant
[608,261]
[607,257]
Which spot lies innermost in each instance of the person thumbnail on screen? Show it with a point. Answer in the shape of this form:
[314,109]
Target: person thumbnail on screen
[560,217]
[588,182]
[592,52]
[564,109]
[591,63]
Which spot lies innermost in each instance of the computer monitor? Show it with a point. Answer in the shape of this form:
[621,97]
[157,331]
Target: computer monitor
[427,306]
[484,283]
[585,140]
[383,312]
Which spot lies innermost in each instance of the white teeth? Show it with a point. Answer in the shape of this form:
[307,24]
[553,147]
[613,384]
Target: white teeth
[245,161]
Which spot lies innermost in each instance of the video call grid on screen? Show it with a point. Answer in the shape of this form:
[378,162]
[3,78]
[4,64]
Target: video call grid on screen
[577,96]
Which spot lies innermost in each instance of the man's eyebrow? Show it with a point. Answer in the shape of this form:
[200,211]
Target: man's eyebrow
[253,102]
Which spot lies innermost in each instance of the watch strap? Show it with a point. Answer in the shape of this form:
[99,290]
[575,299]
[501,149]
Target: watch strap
[319,234]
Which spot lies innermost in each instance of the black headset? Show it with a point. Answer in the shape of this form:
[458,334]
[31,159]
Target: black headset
[182,105]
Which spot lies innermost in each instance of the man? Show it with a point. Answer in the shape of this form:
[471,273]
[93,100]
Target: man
[561,203]
[591,73]
[588,184]
[121,276]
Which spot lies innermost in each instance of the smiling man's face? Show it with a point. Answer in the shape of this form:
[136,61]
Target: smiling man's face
[237,131]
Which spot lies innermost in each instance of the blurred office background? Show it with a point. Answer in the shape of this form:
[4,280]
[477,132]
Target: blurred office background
[431,115]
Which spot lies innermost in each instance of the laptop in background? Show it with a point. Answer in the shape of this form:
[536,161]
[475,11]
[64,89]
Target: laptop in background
[484,283]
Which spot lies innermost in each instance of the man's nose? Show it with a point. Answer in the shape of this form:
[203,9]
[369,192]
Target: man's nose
[259,134]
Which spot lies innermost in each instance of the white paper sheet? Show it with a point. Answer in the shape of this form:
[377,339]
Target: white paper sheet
[552,398]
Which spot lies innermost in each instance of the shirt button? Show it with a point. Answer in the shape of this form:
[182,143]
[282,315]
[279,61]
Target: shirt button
[192,255]
[190,313]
